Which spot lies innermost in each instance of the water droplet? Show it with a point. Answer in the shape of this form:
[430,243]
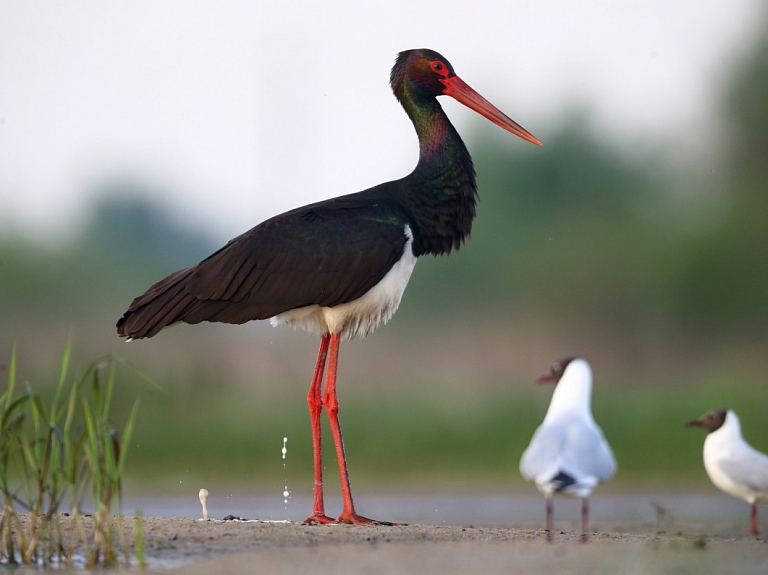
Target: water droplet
[286,493]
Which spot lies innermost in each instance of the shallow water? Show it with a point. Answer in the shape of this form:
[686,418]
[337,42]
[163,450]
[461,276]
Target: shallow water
[495,509]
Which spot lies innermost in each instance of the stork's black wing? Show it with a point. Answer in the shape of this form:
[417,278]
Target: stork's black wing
[326,254]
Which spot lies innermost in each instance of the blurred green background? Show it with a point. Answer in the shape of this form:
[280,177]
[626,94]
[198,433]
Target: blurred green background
[655,271]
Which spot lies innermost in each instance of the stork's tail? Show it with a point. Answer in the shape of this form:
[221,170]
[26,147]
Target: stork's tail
[164,304]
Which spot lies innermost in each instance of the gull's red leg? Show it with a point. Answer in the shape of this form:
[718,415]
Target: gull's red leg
[550,514]
[348,514]
[755,530]
[315,407]
[585,518]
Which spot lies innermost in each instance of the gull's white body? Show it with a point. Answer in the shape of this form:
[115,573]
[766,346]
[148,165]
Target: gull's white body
[569,441]
[733,465]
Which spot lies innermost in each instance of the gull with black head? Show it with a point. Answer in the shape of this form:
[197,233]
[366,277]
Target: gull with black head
[733,465]
[568,455]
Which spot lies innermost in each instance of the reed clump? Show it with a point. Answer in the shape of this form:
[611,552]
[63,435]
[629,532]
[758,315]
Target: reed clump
[57,455]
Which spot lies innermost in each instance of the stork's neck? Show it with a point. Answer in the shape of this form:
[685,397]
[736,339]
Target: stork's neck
[441,192]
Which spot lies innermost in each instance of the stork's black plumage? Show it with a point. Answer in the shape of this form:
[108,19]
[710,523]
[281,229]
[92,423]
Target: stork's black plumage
[325,254]
[338,267]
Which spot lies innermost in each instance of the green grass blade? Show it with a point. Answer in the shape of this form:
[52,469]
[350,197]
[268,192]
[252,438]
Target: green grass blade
[108,391]
[11,379]
[63,369]
[127,433]
[141,373]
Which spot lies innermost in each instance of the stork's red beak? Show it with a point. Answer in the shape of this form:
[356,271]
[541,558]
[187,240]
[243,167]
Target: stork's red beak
[458,89]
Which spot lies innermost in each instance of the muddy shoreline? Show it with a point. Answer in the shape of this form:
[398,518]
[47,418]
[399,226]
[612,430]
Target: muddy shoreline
[193,546]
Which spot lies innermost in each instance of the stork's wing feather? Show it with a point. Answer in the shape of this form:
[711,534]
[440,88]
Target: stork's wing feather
[322,254]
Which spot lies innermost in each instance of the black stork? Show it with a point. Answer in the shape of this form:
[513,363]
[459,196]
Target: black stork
[338,268]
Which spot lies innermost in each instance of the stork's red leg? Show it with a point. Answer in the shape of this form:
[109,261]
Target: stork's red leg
[755,530]
[315,407]
[331,403]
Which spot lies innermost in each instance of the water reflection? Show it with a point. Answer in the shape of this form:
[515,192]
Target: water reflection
[496,509]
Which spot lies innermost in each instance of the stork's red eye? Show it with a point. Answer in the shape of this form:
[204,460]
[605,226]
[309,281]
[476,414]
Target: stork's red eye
[439,68]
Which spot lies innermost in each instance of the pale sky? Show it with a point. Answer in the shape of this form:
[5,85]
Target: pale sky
[240,110]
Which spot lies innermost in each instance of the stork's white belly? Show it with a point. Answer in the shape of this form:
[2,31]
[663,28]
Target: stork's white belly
[360,317]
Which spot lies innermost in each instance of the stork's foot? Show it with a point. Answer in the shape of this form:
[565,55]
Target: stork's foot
[319,519]
[355,519]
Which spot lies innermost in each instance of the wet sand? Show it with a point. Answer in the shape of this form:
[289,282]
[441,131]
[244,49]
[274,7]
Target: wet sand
[193,546]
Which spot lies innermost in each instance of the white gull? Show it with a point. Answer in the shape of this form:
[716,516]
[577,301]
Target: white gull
[568,454]
[732,464]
